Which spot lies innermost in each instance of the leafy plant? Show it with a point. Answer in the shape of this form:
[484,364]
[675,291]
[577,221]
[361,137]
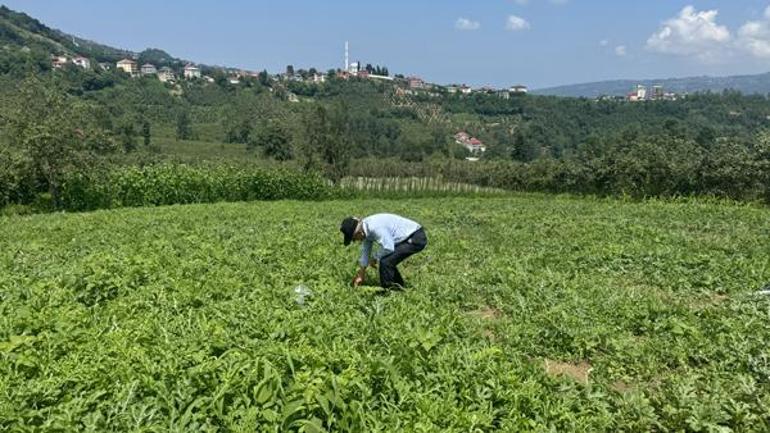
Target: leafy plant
[524,313]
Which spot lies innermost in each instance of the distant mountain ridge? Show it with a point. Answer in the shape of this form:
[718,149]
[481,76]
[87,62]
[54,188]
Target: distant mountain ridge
[747,84]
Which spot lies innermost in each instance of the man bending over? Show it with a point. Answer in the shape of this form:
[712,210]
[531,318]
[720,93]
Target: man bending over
[398,238]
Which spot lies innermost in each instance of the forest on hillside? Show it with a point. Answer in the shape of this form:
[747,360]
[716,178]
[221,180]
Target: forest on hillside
[59,121]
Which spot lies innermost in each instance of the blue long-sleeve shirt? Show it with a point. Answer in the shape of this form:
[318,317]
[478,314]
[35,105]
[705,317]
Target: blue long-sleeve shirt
[387,230]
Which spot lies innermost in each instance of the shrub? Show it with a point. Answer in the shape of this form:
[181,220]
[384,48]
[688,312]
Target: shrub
[165,184]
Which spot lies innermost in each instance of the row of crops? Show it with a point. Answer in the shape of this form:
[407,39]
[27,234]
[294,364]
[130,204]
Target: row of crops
[525,313]
[178,183]
[174,183]
[165,184]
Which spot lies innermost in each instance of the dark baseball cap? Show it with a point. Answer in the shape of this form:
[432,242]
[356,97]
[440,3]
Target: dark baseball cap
[348,228]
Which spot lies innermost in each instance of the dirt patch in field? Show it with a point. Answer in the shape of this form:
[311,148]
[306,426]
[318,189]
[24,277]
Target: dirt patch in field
[622,387]
[718,299]
[708,301]
[487,313]
[489,335]
[578,372]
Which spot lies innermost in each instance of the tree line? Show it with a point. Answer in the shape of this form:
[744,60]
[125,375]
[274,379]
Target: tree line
[53,122]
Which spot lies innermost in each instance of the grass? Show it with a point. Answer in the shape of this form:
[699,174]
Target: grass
[204,150]
[208,145]
[525,313]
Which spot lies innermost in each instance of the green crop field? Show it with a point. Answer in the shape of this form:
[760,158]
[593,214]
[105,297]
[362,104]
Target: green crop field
[525,313]
[206,150]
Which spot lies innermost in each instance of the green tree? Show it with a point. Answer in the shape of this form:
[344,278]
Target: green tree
[439,140]
[183,126]
[54,132]
[157,57]
[313,135]
[336,149]
[457,151]
[146,132]
[274,141]
[526,148]
[264,78]
[221,78]
[327,140]
[127,136]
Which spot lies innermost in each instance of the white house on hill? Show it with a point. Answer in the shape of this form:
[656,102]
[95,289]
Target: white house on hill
[128,66]
[166,75]
[192,72]
[149,69]
[82,62]
[58,62]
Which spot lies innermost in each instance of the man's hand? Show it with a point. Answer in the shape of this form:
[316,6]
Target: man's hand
[359,278]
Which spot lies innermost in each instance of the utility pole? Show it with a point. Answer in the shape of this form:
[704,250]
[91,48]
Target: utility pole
[347,58]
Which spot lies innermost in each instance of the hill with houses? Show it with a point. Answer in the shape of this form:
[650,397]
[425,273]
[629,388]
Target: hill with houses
[20,31]
[391,115]
[747,84]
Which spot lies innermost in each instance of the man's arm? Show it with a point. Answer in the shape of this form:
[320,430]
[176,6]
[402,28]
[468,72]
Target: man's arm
[366,250]
[363,262]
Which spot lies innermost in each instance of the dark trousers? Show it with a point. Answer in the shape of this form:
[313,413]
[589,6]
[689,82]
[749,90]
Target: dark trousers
[390,277]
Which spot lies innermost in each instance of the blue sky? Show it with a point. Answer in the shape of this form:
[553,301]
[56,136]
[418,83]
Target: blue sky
[487,42]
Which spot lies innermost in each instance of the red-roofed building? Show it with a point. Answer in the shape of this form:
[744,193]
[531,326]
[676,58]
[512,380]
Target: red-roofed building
[462,137]
[416,83]
[473,144]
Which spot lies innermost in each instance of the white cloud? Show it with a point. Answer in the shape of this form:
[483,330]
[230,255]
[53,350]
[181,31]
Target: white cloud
[515,24]
[692,33]
[754,37]
[466,24]
[620,50]
[604,42]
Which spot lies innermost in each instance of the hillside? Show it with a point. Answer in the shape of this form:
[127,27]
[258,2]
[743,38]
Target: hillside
[20,30]
[346,126]
[747,84]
